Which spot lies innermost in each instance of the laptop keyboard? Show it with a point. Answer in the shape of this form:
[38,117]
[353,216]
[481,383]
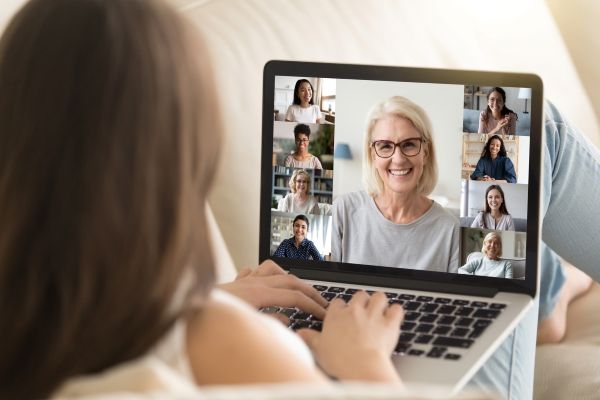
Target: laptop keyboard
[435,327]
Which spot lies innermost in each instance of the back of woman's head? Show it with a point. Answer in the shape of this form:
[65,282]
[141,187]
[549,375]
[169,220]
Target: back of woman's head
[108,141]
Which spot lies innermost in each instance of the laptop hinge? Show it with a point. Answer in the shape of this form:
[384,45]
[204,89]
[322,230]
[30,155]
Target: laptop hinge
[397,283]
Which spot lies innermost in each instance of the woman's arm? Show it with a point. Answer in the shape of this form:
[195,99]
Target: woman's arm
[512,127]
[510,224]
[314,253]
[469,268]
[280,252]
[508,270]
[317,163]
[478,221]
[228,343]
[479,172]
[289,114]
[481,128]
[509,171]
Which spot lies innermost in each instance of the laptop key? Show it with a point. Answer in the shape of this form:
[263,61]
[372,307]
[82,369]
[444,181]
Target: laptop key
[479,304]
[442,300]
[482,323]
[345,297]
[416,352]
[406,337]
[301,315]
[446,320]
[446,309]
[320,288]
[425,299]
[429,307]
[464,311]
[459,332]
[351,291]
[436,352]
[441,330]
[423,339]
[270,310]
[401,347]
[412,306]
[317,326]
[428,318]
[288,312]
[395,301]
[336,289]
[464,321]
[411,316]
[497,306]
[406,296]
[424,328]
[391,295]
[328,296]
[476,332]
[408,326]
[300,324]
[452,342]
[460,302]
[452,356]
[486,313]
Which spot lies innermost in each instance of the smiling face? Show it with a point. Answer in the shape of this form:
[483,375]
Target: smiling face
[495,102]
[302,184]
[302,143]
[305,93]
[300,229]
[399,173]
[492,247]
[494,199]
[495,145]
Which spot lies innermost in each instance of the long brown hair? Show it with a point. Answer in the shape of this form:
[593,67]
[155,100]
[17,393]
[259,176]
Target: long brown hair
[108,143]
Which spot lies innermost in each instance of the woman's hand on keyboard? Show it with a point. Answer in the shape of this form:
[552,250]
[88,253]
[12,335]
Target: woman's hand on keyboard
[269,285]
[358,338]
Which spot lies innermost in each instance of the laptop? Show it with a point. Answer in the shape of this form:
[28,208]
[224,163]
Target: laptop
[455,316]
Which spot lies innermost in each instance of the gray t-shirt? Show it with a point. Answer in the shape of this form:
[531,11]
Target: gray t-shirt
[362,235]
[487,267]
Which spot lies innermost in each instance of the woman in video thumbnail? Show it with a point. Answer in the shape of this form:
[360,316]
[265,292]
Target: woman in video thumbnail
[301,157]
[495,214]
[298,246]
[304,109]
[494,164]
[490,264]
[497,119]
[393,222]
[299,200]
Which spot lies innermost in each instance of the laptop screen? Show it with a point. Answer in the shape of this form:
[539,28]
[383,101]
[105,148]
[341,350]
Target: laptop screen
[424,173]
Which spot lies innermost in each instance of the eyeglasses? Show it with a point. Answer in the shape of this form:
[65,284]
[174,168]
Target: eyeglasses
[301,140]
[386,148]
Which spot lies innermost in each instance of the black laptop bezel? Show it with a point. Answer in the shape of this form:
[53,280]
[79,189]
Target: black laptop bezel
[397,277]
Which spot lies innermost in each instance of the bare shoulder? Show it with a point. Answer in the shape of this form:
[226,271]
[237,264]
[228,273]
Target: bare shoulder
[230,343]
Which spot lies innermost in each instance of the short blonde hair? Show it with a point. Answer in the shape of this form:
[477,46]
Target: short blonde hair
[292,181]
[489,237]
[401,107]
